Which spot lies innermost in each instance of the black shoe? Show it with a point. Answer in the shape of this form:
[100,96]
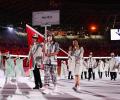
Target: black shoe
[74,88]
[40,86]
[71,77]
[36,87]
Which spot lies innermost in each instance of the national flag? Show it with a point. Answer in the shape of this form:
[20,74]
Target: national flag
[30,32]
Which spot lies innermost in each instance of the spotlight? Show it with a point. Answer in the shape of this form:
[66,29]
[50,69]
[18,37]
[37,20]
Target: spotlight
[10,29]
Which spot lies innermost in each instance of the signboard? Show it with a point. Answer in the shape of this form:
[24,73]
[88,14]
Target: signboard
[46,18]
[115,34]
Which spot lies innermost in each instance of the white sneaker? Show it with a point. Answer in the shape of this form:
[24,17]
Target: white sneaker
[46,91]
[43,88]
[78,88]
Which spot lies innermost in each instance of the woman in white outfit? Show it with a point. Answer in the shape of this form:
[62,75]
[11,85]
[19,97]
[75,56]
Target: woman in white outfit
[100,68]
[106,68]
[64,70]
[19,71]
[2,76]
[84,70]
[9,68]
[78,53]
[71,63]
[1,66]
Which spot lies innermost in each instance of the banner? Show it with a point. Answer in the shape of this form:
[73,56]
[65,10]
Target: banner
[115,34]
[46,18]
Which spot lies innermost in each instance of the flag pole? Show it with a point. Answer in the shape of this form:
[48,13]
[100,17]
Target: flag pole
[46,26]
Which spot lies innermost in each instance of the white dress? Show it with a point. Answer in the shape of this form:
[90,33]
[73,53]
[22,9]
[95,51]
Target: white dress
[64,71]
[106,66]
[78,61]
[71,62]
[19,71]
[9,68]
[101,66]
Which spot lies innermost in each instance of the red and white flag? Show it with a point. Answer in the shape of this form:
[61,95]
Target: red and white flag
[30,32]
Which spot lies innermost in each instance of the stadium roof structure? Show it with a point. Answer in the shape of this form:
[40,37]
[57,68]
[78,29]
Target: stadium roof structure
[76,12]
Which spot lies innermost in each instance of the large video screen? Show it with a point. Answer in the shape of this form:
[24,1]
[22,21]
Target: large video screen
[115,34]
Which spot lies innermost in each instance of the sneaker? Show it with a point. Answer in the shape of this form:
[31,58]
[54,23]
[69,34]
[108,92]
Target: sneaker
[43,88]
[40,86]
[46,91]
[78,88]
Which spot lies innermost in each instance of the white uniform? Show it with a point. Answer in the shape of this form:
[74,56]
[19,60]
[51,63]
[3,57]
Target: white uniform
[101,66]
[64,71]
[2,76]
[112,65]
[1,67]
[106,66]
[19,71]
[84,66]
[91,62]
[9,66]
[36,53]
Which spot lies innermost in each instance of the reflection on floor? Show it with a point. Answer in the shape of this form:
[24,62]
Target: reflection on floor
[99,89]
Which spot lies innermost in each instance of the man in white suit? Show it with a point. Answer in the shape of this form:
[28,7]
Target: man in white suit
[113,67]
[100,68]
[91,65]
[37,60]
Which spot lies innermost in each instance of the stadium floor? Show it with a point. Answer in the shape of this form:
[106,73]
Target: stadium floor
[99,89]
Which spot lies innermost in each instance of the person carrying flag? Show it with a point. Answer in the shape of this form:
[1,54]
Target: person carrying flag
[37,60]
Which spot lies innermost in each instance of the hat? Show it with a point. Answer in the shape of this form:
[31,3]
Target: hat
[35,36]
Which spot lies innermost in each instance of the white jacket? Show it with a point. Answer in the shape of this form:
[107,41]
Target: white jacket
[112,65]
[101,66]
[91,62]
[106,66]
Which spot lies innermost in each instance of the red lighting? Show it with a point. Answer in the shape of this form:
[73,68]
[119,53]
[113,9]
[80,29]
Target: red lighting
[93,28]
